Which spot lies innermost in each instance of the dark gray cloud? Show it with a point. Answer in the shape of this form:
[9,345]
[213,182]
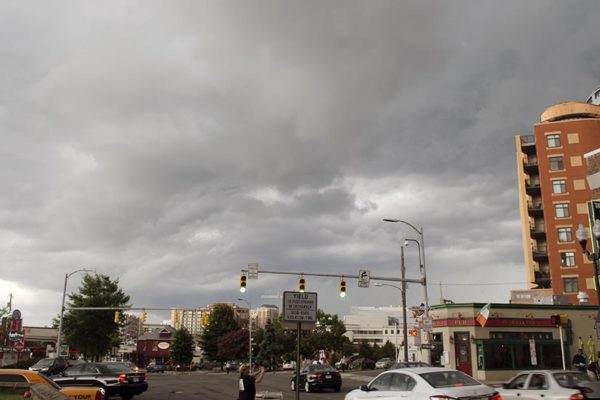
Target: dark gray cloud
[170,144]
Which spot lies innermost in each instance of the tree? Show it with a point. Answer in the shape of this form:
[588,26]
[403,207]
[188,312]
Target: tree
[328,335]
[365,350]
[269,349]
[94,332]
[388,350]
[182,350]
[221,321]
[233,346]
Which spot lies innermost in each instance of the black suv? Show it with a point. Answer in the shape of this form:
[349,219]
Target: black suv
[50,366]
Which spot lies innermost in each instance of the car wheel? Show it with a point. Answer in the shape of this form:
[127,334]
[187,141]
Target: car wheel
[307,387]
[337,388]
[293,385]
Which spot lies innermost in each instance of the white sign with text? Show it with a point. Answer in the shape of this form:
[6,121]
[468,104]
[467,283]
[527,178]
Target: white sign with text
[300,307]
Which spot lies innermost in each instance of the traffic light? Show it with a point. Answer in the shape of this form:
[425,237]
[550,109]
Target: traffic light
[342,288]
[143,317]
[558,320]
[243,283]
[301,283]
[117,317]
[413,332]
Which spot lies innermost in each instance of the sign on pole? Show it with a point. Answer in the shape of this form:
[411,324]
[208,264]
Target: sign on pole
[364,277]
[299,307]
[253,271]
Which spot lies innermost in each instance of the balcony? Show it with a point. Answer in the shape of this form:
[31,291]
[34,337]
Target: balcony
[531,166]
[537,231]
[528,144]
[533,188]
[543,280]
[540,253]
[535,209]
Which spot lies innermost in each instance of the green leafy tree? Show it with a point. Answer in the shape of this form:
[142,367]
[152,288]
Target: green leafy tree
[221,321]
[182,347]
[233,346]
[94,332]
[269,349]
[328,335]
[365,350]
[388,350]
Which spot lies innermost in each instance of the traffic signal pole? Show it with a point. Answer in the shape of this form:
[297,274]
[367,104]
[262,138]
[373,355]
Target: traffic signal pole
[373,278]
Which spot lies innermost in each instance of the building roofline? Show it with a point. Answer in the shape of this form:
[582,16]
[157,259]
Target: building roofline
[515,306]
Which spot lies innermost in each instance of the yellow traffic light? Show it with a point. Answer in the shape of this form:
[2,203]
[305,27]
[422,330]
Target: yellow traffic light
[301,284]
[117,317]
[144,316]
[243,283]
[342,288]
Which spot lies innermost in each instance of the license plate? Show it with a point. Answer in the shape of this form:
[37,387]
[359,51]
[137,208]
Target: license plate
[327,376]
[136,379]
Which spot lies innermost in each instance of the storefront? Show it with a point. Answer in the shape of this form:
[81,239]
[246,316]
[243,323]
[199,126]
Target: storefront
[514,337]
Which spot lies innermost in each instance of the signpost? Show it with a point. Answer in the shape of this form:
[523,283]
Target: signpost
[364,277]
[298,308]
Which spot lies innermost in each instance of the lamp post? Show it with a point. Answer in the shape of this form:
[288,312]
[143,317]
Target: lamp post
[404,324]
[249,333]
[582,237]
[423,269]
[62,308]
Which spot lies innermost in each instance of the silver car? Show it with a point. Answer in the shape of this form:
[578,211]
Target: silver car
[550,385]
[423,383]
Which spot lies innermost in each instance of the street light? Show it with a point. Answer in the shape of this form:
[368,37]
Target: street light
[249,333]
[582,237]
[62,308]
[423,268]
[405,325]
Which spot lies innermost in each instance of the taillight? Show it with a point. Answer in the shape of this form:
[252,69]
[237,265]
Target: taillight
[577,396]
[496,396]
[27,395]
[441,397]
[145,377]
[122,378]
[99,395]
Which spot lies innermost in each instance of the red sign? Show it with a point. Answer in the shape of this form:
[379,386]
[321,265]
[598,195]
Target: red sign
[504,322]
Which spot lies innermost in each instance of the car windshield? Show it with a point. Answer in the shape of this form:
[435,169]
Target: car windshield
[570,379]
[45,362]
[117,367]
[448,379]
[321,368]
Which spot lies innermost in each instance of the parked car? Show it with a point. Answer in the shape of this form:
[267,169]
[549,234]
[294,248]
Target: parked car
[232,365]
[318,377]
[155,367]
[289,365]
[50,366]
[423,383]
[362,363]
[550,385]
[115,378]
[23,381]
[409,364]
[384,362]
[344,363]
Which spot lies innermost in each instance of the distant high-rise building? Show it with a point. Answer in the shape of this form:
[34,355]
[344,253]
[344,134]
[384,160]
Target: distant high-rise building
[266,313]
[194,319]
[553,196]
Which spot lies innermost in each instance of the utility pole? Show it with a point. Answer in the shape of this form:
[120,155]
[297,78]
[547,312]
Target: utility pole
[404,322]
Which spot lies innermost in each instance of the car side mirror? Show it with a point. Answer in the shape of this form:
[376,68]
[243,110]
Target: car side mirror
[364,388]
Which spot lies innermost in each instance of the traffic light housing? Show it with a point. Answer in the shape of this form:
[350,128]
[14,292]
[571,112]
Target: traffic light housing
[413,332]
[144,316]
[342,288]
[559,320]
[117,317]
[301,284]
[243,283]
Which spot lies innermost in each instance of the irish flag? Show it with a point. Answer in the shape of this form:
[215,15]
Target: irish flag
[483,315]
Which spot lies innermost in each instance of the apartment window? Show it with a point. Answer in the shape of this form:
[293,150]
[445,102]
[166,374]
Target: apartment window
[561,210]
[556,163]
[567,259]
[570,285]
[565,235]
[559,186]
[553,140]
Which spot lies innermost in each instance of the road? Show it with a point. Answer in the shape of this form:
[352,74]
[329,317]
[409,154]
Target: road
[218,386]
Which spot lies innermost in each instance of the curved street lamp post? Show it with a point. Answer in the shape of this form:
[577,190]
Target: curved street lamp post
[404,324]
[421,243]
[62,308]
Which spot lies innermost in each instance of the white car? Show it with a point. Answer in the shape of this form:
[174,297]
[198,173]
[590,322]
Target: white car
[289,365]
[423,383]
[550,385]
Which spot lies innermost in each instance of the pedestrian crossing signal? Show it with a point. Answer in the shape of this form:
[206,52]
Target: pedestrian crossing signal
[301,284]
[243,283]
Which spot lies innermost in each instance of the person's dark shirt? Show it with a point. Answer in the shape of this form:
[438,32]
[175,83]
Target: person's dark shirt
[247,387]
[579,359]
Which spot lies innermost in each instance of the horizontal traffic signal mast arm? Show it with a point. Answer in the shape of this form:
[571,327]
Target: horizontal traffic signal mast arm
[373,278]
[126,308]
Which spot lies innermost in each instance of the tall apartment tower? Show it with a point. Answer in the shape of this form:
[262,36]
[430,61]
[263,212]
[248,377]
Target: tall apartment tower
[553,196]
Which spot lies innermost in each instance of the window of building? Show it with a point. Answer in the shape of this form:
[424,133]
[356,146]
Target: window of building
[567,259]
[570,285]
[553,140]
[556,163]
[515,354]
[561,210]
[565,235]
[559,186]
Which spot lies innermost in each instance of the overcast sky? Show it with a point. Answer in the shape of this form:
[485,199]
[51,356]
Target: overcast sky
[169,144]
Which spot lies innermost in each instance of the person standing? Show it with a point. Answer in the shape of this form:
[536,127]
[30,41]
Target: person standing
[248,381]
